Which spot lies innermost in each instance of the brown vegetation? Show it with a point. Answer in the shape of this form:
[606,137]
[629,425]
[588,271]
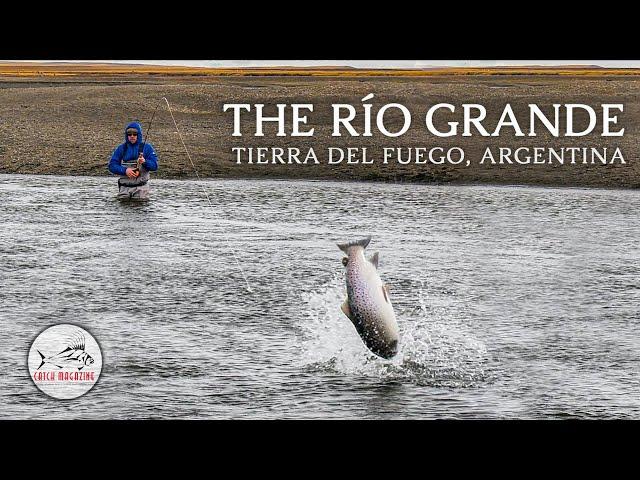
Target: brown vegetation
[73,69]
[70,124]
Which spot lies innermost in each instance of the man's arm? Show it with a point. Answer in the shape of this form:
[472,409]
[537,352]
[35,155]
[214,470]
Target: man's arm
[114,163]
[150,158]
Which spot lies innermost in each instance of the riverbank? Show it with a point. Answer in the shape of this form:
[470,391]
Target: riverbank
[70,124]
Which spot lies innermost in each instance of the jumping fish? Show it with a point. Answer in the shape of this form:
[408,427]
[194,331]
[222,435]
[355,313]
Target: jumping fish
[368,305]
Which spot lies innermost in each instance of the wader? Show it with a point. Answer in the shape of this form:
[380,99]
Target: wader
[134,188]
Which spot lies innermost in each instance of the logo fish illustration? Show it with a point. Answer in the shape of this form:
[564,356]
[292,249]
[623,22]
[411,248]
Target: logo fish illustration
[368,305]
[74,355]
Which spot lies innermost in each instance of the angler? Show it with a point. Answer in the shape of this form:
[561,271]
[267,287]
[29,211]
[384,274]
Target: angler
[133,160]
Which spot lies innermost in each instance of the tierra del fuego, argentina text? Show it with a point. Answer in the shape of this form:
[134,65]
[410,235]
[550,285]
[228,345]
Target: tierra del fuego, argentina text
[441,120]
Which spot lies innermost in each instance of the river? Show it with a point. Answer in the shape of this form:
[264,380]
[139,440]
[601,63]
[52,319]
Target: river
[512,302]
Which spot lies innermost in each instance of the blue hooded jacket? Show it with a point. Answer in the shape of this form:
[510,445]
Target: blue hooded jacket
[127,152]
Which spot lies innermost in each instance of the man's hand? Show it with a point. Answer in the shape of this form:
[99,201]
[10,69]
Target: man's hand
[131,173]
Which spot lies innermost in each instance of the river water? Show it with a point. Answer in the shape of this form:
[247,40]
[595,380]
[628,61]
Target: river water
[512,302]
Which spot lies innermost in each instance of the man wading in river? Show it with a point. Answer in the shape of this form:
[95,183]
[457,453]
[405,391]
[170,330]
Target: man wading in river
[133,160]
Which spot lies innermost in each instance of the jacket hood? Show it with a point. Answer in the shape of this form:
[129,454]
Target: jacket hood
[138,127]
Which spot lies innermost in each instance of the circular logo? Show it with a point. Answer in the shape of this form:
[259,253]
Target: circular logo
[65,361]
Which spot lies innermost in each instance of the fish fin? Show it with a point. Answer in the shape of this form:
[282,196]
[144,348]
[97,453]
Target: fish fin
[361,243]
[385,292]
[346,310]
[42,358]
[374,259]
[80,368]
[77,342]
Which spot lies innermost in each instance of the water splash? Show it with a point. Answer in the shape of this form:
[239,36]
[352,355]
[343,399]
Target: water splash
[435,349]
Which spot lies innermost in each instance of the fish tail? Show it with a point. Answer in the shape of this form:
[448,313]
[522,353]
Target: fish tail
[42,358]
[358,243]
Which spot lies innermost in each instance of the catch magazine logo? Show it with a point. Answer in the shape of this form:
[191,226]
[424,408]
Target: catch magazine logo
[65,361]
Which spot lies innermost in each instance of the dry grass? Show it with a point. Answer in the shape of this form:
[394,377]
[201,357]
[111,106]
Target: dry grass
[74,123]
[67,70]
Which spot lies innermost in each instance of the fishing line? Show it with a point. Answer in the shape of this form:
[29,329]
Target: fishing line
[146,137]
[203,189]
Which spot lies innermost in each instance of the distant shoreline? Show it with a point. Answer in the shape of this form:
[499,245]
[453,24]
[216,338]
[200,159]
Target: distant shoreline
[381,181]
[59,69]
[70,125]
